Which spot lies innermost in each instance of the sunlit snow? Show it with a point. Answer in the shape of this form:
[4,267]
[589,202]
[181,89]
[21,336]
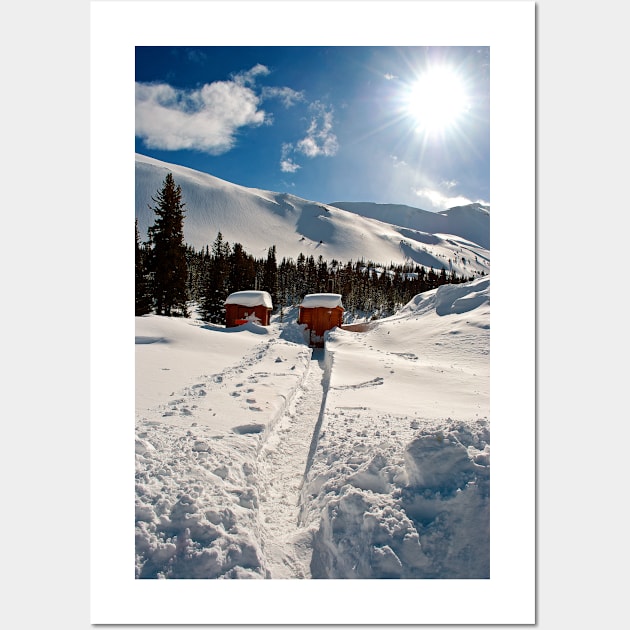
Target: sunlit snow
[259,457]
[457,239]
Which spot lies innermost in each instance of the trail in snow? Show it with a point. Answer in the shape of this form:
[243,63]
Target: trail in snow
[283,463]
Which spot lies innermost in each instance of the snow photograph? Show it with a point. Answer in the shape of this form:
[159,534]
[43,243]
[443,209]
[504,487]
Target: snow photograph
[312,313]
[299,409]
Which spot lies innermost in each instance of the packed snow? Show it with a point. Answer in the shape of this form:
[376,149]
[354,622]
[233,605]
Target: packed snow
[260,457]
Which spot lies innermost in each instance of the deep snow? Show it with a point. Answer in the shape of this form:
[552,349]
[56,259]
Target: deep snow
[259,457]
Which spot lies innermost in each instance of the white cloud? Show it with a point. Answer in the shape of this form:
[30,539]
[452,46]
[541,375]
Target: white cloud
[248,77]
[287,165]
[397,162]
[320,139]
[288,96]
[205,119]
[389,76]
[439,200]
[449,184]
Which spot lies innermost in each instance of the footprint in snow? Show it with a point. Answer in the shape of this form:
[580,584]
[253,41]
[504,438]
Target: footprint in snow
[245,429]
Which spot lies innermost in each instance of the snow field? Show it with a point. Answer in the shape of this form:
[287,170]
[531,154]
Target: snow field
[400,478]
[263,458]
[197,452]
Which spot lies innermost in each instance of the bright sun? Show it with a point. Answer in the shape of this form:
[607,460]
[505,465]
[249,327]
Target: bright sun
[437,100]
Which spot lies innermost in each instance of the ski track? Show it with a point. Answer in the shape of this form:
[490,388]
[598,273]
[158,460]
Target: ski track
[283,462]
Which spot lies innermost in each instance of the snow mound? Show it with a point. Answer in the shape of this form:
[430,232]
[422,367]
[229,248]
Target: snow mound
[451,298]
[462,298]
[250,326]
[422,515]
[322,300]
[250,298]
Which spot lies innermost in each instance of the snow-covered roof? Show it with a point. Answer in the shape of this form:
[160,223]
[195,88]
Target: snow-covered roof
[250,298]
[322,300]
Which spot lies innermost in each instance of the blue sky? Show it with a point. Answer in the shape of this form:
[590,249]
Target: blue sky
[407,125]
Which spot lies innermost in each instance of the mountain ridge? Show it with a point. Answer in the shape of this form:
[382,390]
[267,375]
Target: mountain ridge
[258,219]
[469,221]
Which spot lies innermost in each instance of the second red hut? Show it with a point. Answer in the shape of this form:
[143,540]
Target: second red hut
[320,312]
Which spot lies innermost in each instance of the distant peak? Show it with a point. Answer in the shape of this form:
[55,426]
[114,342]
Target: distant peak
[476,207]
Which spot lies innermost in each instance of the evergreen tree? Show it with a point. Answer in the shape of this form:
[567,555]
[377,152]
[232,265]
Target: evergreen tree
[242,270]
[168,251]
[301,284]
[216,287]
[442,278]
[143,295]
[270,275]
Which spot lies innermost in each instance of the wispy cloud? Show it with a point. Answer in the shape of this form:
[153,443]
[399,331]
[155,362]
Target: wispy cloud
[389,76]
[397,162]
[195,55]
[286,95]
[248,77]
[287,165]
[319,139]
[449,184]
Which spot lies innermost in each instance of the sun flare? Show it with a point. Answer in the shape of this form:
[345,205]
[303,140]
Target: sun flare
[437,100]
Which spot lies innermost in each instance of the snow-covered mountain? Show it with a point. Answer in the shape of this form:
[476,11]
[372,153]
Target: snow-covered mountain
[471,222]
[457,239]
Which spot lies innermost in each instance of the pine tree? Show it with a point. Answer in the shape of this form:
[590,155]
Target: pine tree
[242,270]
[301,284]
[143,295]
[270,275]
[216,289]
[442,278]
[168,253]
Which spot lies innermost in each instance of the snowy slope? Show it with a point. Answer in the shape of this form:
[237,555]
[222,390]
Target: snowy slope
[259,219]
[471,222]
[259,457]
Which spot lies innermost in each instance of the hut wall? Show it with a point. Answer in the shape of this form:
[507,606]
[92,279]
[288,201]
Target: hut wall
[319,320]
[235,314]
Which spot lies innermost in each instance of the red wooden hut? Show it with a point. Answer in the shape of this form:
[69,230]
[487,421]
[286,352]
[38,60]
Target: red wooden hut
[320,312]
[248,306]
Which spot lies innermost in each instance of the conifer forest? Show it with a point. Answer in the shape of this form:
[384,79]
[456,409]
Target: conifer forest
[170,274]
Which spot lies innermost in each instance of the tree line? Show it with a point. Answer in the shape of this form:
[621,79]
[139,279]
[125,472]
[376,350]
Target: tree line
[170,274]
